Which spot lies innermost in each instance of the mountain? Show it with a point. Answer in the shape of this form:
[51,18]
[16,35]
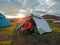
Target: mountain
[50,17]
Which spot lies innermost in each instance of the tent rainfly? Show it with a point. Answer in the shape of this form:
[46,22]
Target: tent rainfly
[3,21]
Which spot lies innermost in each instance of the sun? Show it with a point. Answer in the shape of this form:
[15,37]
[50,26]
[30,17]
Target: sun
[21,15]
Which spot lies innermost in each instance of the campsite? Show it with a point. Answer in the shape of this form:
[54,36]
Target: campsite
[29,22]
[8,36]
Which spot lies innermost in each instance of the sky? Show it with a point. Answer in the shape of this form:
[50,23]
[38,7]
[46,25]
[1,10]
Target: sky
[12,7]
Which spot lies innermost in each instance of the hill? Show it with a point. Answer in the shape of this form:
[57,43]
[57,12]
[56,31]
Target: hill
[50,17]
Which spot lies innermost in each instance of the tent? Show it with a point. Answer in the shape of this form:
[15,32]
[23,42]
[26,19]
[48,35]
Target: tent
[41,24]
[3,21]
[56,20]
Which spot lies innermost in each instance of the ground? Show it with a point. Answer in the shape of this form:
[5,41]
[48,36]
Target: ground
[8,36]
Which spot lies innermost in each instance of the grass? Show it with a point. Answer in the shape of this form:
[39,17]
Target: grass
[6,34]
[9,37]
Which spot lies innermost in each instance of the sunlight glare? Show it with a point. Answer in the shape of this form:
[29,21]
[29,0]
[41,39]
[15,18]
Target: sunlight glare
[21,15]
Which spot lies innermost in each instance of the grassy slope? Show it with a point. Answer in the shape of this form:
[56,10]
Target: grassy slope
[8,36]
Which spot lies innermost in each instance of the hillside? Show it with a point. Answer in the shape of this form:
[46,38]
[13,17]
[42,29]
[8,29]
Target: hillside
[8,36]
[50,17]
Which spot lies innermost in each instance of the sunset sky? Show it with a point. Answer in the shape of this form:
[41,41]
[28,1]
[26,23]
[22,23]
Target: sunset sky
[12,7]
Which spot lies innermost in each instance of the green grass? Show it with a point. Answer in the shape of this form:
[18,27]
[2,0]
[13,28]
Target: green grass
[9,37]
[7,33]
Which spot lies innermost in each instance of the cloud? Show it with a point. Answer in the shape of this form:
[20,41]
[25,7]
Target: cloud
[9,6]
[56,7]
